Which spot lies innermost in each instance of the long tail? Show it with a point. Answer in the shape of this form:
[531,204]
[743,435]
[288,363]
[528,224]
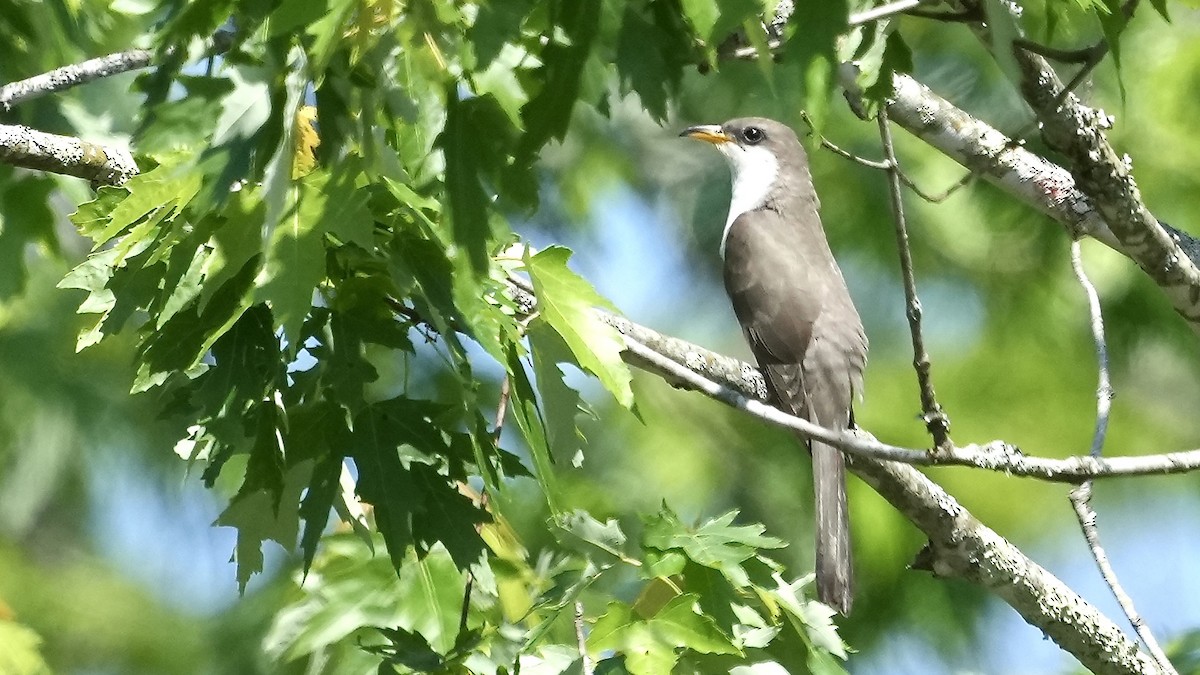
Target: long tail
[835,565]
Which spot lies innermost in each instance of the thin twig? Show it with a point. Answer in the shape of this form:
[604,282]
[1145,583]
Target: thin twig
[935,418]
[884,11]
[501,409]
[948,17]
[1081,496]
[466,605]
[1081,55]
[885,166]
[589,668]
[945,194]
[740,385]
[1104,389]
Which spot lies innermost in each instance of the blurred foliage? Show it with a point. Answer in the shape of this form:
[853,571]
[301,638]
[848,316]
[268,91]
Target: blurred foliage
[309,275]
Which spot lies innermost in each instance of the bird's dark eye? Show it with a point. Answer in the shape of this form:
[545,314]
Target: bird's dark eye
[753,135]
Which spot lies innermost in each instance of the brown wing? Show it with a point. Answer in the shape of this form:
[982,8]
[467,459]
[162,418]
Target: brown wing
[796,313]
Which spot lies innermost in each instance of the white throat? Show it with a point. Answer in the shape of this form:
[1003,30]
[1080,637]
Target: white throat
[754,170]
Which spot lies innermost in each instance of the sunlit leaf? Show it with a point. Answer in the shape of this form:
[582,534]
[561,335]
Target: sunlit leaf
[567,303]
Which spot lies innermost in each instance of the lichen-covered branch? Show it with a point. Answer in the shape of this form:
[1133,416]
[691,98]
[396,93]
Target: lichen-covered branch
[962,547]
[1106,177]
[72,75]
[101,164]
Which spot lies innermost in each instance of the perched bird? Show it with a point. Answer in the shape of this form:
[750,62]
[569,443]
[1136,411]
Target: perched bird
[789,296]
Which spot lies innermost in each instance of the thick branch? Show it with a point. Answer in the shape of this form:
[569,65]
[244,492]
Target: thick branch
[101,164]
[1037,182]
[962,547]
[1107,179]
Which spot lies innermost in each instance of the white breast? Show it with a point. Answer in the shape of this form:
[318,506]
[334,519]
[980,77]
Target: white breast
[754,170]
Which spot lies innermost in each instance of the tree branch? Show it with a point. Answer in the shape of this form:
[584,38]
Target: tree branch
[1167,255]
[744,389]
[960,546]
[884,11]
[1081,496]
[934,417]
[70,76]
[1107,179]
[100,164]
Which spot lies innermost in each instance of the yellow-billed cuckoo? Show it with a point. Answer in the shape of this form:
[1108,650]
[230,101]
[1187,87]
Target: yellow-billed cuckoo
[796,313]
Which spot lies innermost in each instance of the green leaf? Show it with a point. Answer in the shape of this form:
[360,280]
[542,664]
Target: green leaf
[244,112]
[897,58]
[295,261]
[264,510]
[25,220]
[235,241]
[183,340]
[650,646]
[813,51]
[497,25]
[606,536]
[619,631]
[22,651]
[295,264]
[348,589]
[384,482]
[1003,30]
[560,402]
[813,620]
[1113,21]
[165,187]
[318,432]
[529,419]
[467,200]
[448,517]
[429,598]
[715,543]
[1160,6]
[279,170]
[703,15]
[567,303]
[678,623]
[652,50]
[548,114]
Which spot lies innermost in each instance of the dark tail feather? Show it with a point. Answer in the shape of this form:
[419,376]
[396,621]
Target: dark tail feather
[835,566]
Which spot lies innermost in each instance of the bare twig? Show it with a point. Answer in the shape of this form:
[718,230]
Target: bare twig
[501,409]
[995,456]
[884,11]
[70,76]
[884,166]
[944,194]
[465,610]
[838,150]
[935,418]
[589,668]
[1081,55]
[1104,389]
[1081,496]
